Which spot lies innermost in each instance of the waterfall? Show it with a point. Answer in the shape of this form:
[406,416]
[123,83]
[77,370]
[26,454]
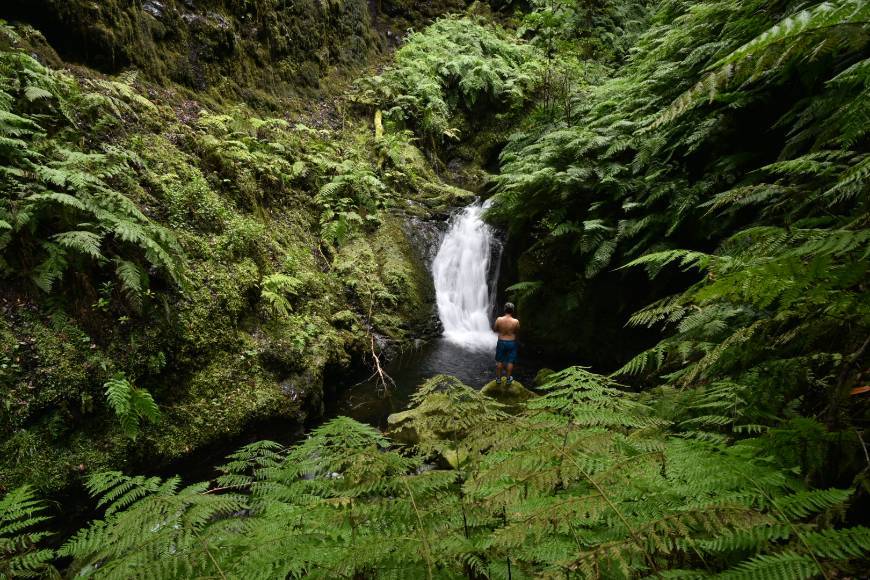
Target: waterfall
[460,271]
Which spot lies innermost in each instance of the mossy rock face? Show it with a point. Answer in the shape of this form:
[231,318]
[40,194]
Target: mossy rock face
[234,187]
[220,400]
[400,429]
[510,394]
[223,47]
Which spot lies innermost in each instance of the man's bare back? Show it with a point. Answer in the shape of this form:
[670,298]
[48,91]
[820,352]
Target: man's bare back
[507,326]
[506,347]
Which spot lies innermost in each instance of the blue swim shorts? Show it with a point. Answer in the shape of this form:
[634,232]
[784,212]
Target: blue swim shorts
[506,351]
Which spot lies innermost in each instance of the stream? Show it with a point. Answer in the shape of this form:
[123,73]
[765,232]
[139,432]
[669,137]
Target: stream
[464,271]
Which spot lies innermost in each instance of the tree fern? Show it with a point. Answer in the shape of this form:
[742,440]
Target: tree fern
[585,478]
[455,61]
[806,34]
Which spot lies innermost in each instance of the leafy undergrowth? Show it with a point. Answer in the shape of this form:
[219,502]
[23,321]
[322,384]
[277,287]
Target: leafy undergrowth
[713,187]
[586,480]
[733,128]
[453,71]
[218,258]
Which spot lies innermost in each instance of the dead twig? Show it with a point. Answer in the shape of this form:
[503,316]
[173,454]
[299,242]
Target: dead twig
[384,379]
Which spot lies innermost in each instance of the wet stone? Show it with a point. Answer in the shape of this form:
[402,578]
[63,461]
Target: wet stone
[154,8]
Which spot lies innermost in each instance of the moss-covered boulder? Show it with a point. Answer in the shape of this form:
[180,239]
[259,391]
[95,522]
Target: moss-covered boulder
[511,394]
[400,429]
[455,458]
[405,427]
[446,411]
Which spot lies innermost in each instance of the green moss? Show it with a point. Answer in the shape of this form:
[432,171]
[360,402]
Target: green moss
[218,401]
[218,48]
[37,456]
[209,315]
[304,341]
[239,192]
[403,273]
[48,364]
[180,187]
[512,395]
[388,283]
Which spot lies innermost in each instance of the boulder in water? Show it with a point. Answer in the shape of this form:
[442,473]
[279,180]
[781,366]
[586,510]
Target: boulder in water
[399,429]
[510,394]
[455,458]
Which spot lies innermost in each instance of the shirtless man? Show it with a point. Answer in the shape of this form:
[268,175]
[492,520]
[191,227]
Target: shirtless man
[506,349]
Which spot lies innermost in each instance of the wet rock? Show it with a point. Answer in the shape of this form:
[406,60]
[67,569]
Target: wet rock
[425,237]
[304,388]
[154,8]
[290,389]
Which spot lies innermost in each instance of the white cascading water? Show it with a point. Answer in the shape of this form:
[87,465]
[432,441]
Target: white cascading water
[460,273]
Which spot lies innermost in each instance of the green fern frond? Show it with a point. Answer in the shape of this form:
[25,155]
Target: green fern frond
[131,404]
[783,565]
[85,242]
[20,553]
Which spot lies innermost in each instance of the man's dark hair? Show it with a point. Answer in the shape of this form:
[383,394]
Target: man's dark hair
[509,308]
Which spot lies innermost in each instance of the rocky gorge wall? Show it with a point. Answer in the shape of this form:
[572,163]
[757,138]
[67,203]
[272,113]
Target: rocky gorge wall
[255,50]
[240,48]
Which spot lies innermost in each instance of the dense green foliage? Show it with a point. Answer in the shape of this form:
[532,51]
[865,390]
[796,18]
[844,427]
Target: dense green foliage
[738,134]
[20,555]
[220,259]
[588,31]
[62,209]
[586,480]
[455,69]
[717,150]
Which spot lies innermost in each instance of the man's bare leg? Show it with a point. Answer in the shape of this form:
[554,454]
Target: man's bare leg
[499,367]
[510,371]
